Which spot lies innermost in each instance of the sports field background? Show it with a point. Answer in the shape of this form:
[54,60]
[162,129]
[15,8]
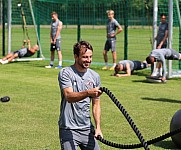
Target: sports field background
[30,119]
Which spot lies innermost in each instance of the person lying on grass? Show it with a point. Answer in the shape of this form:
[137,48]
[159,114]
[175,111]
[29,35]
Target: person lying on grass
[23,52]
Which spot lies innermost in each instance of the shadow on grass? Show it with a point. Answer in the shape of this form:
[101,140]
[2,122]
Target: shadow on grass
[166,145]
[140,73]
[162,100]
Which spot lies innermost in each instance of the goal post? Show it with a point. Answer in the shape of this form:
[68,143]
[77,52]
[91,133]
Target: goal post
[22,26]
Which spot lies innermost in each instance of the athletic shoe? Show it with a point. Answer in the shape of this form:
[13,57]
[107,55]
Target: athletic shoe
[4,62]
[105,68]
[112,68]
[58,67]
[50,66]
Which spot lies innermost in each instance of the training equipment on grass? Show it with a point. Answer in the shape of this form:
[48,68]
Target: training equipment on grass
[154,79]
[139,135]
[176,124]
[5,99]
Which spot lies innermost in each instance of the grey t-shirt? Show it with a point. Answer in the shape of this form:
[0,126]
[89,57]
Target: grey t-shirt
[76,115]
[160,55]
[54,28]
[111,27]
[123,62]
[161,32]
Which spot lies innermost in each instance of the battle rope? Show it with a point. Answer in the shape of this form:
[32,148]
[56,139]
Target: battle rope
[128,118]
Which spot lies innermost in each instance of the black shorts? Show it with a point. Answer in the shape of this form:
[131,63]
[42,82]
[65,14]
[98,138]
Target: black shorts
[110,44]
[174,55]
[138,65]
[55,46]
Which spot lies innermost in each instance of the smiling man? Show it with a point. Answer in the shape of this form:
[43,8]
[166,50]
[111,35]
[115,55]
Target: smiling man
[79,87]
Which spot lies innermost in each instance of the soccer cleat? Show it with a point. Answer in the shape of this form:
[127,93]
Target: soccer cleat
[112,68]
[49,66]
[105,68]
[58,67]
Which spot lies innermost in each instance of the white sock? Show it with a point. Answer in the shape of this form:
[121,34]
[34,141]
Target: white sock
[114,65]
[160,71]
[60,63]
[106,64]
[155,72]
[51,63]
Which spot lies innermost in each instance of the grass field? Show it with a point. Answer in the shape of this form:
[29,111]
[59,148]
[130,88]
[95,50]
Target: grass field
[29,121]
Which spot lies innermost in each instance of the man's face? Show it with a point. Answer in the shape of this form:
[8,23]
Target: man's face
[54,17]
[110,15]
[118,68]
[84,59]
[163,19]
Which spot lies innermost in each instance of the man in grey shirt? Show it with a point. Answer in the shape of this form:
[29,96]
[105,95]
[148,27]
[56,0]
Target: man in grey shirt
[79,87]
[112,25]
[162,34]
[55,40]
[129,66]
[161,55]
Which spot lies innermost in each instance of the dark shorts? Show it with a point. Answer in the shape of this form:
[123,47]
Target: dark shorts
[110,44]
[174,55]
[56,46]
[21,53]
[138,65]
[72,139]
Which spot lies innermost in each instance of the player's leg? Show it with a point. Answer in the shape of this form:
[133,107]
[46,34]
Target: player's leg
[15,55]
[88,141]
[114,54]
[52,55]
[174,55]
[59,52]
[7,56]
[10,57]
[69,139]
[106,49]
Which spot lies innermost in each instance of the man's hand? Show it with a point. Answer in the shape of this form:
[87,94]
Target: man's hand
[163,79]
[28,41]
[95,92]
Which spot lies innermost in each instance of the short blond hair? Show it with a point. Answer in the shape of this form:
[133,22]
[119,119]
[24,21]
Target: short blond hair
[110,11]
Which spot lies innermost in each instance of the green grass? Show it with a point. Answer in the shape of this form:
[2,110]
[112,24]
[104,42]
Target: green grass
[30,119]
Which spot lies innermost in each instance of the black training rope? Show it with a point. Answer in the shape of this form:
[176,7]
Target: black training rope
[128,118]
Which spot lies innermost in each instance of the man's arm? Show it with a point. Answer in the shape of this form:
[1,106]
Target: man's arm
[58,31]
[72,97]
[96,110]
[119,30]
[29,45]
[51,40]
[24,42]
[163,61]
